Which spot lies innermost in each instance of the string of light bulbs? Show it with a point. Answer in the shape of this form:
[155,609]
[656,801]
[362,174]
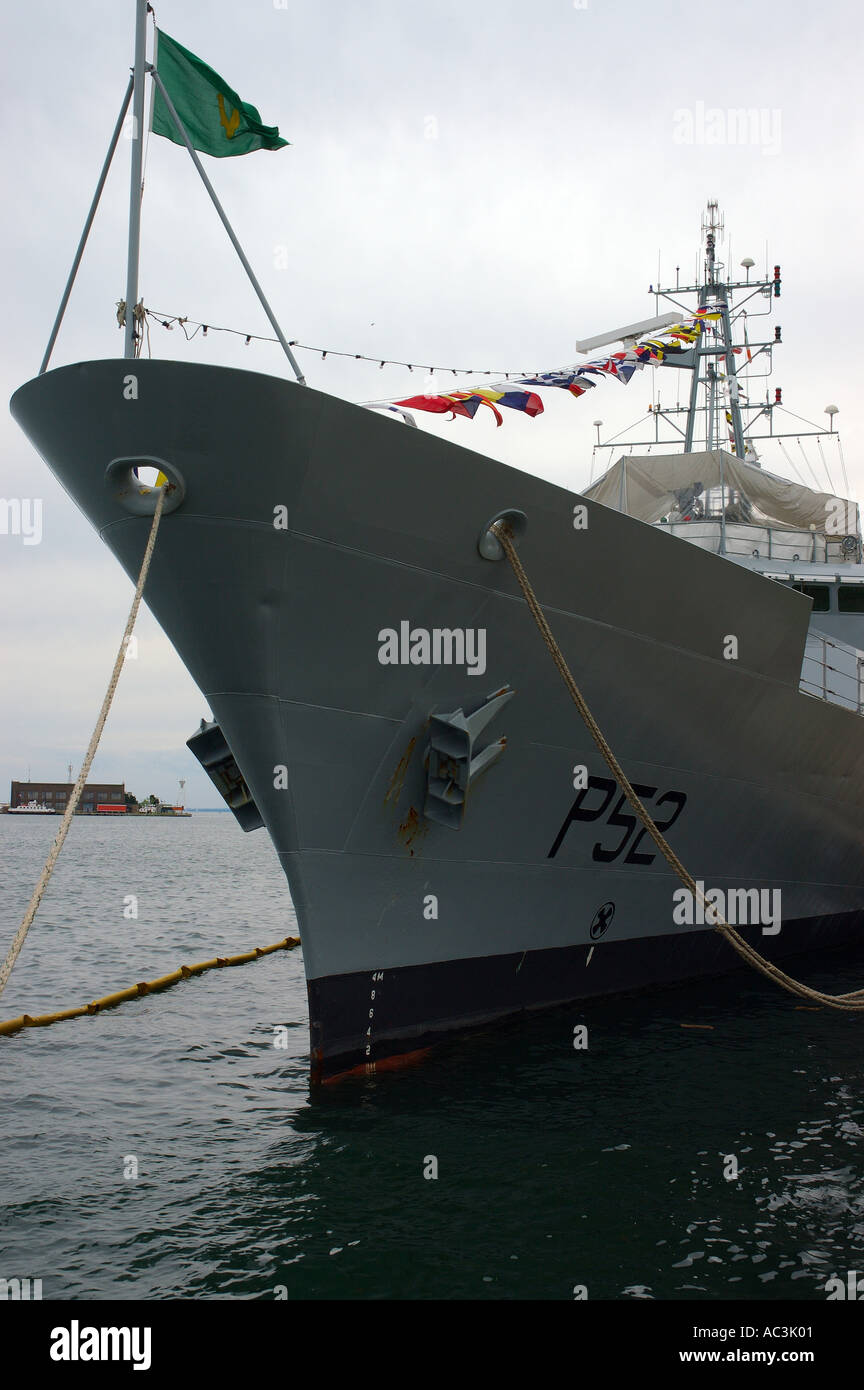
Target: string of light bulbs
[185,323]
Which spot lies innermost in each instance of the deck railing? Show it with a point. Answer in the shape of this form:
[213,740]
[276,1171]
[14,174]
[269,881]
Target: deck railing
[833,671]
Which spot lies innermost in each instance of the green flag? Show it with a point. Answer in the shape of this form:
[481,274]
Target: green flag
[216,120]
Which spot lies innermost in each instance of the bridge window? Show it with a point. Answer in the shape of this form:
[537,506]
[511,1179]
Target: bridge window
[851,598]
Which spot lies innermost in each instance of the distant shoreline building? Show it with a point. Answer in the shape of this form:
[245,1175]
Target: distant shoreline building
[55,795]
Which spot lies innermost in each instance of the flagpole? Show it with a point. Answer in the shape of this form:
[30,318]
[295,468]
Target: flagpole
[181,129]
[135,176]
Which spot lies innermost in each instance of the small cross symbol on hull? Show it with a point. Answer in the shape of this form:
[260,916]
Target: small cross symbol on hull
[602,920]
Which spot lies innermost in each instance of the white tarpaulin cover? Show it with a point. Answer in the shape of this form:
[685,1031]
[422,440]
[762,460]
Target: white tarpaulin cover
[646,488]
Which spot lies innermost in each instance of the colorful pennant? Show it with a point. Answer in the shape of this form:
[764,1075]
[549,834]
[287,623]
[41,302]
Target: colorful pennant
[467,403]
[671,342]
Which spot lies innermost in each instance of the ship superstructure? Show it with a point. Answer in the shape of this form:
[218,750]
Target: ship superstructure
[701,477]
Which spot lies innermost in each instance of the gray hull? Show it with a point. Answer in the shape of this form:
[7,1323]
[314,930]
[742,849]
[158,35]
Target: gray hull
[412,930]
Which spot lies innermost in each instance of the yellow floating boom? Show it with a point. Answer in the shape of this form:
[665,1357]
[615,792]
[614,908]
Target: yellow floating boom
[110,1001]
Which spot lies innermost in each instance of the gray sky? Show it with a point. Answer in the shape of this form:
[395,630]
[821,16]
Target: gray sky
[467,184]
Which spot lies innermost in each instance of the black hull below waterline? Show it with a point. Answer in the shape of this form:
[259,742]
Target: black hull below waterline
[459,997]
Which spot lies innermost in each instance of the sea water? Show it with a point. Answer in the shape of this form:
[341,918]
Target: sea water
[704,1143]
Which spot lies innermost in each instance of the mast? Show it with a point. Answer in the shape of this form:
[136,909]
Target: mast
[141,8]
[715,398]
[722,408]
[714,294]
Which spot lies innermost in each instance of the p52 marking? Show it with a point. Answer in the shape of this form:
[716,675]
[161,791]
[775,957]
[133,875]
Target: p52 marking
[585,809]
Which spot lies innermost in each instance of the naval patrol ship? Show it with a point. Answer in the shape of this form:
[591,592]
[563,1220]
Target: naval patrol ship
[383,707]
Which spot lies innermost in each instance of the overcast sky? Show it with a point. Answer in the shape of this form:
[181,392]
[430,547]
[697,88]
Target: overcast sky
[467,185]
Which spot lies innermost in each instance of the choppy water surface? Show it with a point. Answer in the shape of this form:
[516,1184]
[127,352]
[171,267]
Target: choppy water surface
[556,1167]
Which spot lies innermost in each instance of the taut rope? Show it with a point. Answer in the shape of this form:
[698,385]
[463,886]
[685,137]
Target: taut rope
[6,969]
[853,1002]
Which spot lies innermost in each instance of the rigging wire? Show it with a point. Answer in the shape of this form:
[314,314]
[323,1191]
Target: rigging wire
[632,426]
[786,411]
[809,465]
[843,464]
[825,466]
[148,119]
[612,439]
[791,462]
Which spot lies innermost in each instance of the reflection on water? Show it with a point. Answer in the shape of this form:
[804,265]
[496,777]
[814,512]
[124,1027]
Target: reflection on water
[556,1167]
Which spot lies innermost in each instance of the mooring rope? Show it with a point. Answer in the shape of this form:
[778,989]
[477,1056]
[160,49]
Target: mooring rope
[854,1001]
[110,1001]
[18,942]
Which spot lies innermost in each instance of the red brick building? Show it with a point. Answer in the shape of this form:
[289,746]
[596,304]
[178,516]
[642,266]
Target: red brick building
[56,795]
